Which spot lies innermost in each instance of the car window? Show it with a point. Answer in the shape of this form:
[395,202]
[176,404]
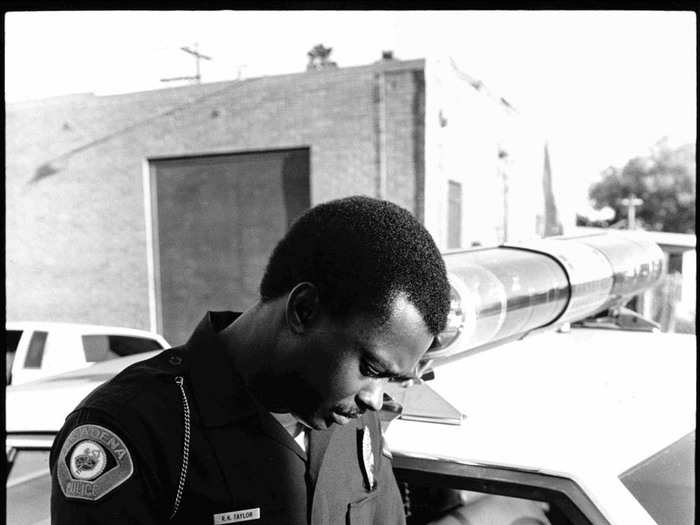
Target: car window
[426,504]
[103,347]
[444,492]
[35,353]
[664,483]
[12,338]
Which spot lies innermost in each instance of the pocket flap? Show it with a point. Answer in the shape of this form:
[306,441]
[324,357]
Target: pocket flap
[362,511]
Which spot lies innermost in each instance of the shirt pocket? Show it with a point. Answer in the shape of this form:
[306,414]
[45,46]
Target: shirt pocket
[362,512]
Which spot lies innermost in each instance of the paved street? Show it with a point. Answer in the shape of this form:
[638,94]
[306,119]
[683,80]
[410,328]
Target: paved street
[28,490]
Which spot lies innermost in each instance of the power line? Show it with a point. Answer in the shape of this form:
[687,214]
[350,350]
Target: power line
[47,169]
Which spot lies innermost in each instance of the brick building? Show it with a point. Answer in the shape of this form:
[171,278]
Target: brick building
[145,209]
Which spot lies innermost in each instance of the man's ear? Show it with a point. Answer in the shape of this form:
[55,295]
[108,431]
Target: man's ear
[303,307]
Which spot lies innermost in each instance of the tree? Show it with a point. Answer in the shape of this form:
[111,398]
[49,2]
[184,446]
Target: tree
[664,180]
[320,58]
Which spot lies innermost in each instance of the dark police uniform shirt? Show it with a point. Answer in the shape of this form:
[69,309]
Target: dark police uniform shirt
[120,454]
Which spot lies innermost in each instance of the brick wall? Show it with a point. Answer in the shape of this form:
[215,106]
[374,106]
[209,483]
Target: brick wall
[76,238]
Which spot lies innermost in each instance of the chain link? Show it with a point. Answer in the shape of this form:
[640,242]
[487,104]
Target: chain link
[185,449]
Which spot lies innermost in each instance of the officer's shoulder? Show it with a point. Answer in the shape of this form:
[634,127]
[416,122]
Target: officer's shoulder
[140,384]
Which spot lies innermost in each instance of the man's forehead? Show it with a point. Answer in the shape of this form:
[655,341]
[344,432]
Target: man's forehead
[399,341]
[398,359]
[401,310]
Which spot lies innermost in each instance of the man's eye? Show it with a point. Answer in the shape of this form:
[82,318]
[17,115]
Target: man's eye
[368,370]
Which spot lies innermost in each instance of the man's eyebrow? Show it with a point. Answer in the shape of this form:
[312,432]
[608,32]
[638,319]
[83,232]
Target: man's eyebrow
[386,368]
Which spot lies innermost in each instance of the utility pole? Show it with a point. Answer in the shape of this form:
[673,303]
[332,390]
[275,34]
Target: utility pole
[503,168]
[631,202]
[197,57]
[239,70]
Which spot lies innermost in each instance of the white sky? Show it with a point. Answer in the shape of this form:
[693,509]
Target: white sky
[603,85]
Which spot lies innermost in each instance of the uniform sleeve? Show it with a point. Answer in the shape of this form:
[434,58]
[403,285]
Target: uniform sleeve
[390,509]
[99,475]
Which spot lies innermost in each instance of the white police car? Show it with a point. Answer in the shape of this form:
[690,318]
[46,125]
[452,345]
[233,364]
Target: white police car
[596,424]
[528,414]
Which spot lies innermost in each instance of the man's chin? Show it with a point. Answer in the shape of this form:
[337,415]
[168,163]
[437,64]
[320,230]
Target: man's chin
[340,419]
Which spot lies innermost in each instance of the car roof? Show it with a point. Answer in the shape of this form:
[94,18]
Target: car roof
[82,328]
[572,402]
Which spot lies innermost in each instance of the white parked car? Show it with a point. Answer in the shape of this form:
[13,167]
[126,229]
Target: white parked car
[545,404]
[40,349]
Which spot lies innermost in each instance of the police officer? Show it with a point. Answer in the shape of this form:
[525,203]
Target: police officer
[268,416]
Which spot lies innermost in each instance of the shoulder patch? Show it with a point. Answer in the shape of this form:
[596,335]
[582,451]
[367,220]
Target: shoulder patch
[93,462]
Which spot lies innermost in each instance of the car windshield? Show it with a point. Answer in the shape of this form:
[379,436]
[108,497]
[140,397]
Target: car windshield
[665,483]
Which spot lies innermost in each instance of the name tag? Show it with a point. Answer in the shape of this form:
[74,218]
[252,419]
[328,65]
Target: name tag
[237,515]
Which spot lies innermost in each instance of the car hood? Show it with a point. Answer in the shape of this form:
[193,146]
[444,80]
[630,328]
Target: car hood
[588,399]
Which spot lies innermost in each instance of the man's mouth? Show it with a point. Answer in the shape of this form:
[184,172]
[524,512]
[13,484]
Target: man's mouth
[342,418]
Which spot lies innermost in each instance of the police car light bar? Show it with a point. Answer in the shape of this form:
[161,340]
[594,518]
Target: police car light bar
[507,291]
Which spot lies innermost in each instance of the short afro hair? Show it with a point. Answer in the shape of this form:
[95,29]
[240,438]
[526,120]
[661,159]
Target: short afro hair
[361,253]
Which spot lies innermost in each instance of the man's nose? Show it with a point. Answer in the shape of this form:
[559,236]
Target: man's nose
[372,395]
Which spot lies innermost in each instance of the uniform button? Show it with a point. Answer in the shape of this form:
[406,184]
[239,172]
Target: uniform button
[175,360]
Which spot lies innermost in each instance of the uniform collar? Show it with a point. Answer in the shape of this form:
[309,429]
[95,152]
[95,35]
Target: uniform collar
[219,391]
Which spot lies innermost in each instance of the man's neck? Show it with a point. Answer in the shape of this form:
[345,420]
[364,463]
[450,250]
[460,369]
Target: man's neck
[251,344]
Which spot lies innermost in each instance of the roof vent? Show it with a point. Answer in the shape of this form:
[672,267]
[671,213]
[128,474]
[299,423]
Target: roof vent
[388,55]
